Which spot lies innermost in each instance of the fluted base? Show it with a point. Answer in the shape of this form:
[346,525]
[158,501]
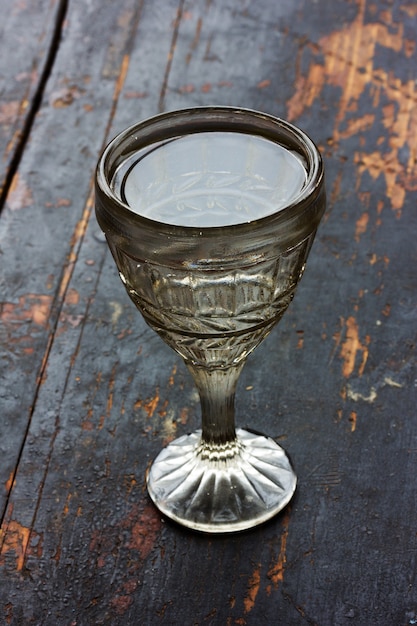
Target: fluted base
[219,490]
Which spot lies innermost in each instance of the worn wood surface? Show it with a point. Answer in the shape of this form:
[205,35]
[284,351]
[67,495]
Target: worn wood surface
[89,394]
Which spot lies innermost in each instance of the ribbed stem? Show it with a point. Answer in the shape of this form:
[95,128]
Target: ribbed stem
[216,388]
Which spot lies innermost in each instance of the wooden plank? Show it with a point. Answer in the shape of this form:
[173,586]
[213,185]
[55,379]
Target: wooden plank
[48,206]
[28,33]
[81,542]
[22,528]
[220,59]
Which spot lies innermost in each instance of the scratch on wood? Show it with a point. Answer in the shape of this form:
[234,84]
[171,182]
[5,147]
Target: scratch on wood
[10,481]
[253,589]
[163,410]
[76,239]
[109,404]
[361,225]
[392,383]
[172,377]
[335,190]
[276,572]
[263,83]
[87,423]
[149,405]
[327,479]
[66,505]
[351,347]
[121,77]
[8,612]
[356,396]
[14,140]
[358,125]
[375,259]
[15,539]
[195,41]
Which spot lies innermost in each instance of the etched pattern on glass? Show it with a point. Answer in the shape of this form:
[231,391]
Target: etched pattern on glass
[213,318]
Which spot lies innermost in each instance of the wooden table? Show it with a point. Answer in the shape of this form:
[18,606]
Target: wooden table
[89,394]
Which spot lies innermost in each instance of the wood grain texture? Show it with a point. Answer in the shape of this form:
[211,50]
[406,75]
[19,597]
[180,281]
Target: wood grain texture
[89,394]
[24,68]
[45,216]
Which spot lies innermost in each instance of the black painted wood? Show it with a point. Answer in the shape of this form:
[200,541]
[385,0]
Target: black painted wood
[89,394]
[46,212]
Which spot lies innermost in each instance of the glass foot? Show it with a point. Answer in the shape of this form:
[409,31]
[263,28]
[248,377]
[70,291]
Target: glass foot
[222,490]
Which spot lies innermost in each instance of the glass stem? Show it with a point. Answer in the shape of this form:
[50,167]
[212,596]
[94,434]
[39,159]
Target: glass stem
[216,388]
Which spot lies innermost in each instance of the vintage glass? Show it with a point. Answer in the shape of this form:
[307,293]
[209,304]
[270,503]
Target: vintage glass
[210,240]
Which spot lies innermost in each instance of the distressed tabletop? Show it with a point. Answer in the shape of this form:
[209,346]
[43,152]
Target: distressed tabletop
[89,394]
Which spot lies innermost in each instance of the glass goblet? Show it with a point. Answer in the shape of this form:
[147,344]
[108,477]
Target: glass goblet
[210,214]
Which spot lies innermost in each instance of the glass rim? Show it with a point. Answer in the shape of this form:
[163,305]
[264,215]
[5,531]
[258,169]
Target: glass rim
[194,120]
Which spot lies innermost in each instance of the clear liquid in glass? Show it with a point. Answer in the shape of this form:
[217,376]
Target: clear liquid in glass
[212,179]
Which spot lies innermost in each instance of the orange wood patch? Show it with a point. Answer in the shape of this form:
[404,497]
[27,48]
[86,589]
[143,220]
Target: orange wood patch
[349,64]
